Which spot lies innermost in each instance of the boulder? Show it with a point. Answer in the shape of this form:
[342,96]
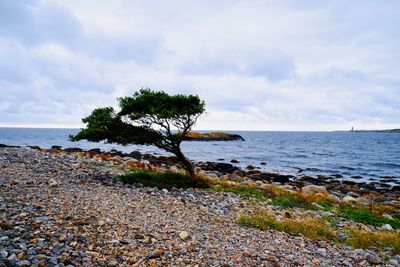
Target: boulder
[387,227]
[135,154]
[313,189]
[237,174]
[349,199]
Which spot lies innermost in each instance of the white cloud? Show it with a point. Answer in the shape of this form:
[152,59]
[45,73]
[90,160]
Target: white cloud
[266,65]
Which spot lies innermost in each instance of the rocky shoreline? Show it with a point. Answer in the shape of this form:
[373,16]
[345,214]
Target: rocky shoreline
[66,208]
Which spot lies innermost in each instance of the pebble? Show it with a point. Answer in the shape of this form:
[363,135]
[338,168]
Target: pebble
[184,235]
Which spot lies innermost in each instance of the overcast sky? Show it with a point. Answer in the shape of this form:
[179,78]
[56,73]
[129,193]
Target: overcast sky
[259,65]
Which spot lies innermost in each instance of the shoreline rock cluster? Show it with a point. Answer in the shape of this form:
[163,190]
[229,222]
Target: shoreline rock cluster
[65,208]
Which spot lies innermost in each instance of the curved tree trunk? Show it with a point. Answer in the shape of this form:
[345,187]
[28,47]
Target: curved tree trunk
[188,165]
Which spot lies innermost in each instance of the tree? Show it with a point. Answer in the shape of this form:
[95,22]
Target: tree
[146,118]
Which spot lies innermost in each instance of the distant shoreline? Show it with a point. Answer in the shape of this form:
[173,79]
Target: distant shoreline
[377,131]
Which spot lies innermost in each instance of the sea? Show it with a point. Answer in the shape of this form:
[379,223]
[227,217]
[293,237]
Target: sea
[371,155]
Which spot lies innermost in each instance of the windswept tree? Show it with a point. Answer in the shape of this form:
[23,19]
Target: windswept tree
[146,118]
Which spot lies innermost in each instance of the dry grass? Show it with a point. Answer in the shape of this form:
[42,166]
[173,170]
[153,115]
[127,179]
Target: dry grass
[381,239]
[309,227]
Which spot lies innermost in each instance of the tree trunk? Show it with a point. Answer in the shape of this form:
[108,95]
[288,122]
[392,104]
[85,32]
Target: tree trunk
[188,165]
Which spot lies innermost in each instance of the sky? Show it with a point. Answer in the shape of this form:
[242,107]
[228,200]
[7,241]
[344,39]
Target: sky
[259,65]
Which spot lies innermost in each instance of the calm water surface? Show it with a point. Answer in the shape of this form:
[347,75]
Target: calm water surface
[370,155]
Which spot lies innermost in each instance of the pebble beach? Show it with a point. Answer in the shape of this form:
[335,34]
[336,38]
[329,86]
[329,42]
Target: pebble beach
[61,210]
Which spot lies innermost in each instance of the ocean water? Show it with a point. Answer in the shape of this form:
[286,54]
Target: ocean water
[370,155]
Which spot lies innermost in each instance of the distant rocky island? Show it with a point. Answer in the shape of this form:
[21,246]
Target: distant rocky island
[213,136]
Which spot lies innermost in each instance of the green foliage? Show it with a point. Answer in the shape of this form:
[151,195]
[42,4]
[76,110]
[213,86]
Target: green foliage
[146,118]
[243,191]
[162,180]
[367,217]
[291,202]
[311,228]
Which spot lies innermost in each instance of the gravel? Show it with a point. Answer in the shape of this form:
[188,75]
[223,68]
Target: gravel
[59,210]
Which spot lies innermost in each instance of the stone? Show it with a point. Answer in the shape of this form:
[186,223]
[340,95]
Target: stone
[363,201]
[174,169]
[349,199]
[313,189]
[165,191]
[373,259]
[3,254]
[237,174]
[246,254]
[235,161]
[184,235]
[156,253]
[24,263]
[316,261]
[41,219]
[387,227]
[132,260]
[53,183]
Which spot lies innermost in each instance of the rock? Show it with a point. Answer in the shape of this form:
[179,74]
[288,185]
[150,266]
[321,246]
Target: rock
[247,254]
[316,205]
[156,253]
[3,254]
[56,147]
[132,260]
[24,263]
[362,201]
[250,167]
[373,259]
[174,169]
[316,261]
[5,225]
[387,216]
[263,163]
[387,227]
[135,154]
[41,219]
[165,191]
[325,213]
[313,189]
[349,199]
[235,161]
[184,235]
[53,183]
[237,174]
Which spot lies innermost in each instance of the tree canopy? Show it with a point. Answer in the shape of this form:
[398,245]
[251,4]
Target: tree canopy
[146,118]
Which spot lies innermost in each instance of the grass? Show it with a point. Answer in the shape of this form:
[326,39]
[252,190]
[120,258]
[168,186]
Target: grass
[381,240]
[367,217]
[243,191]
[166,179]
[291,202]
[309,227]
[277,197]
[319,230]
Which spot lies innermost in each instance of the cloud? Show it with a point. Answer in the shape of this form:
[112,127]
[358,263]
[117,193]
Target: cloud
[265,65]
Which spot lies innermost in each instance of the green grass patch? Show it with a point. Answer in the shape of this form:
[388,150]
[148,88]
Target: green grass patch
[166,179]
[243,191]
[291,202]
[366,217]
[309,227]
